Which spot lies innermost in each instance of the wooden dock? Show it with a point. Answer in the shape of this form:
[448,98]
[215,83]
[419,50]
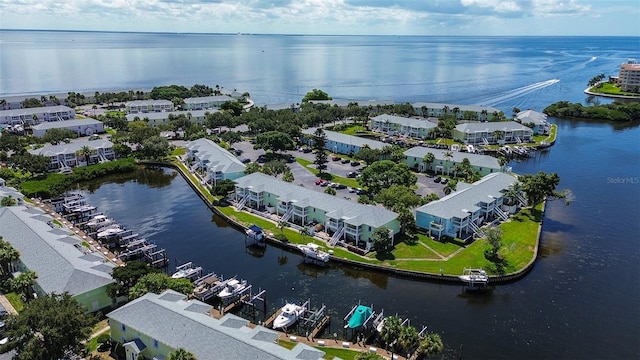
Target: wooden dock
[319,326]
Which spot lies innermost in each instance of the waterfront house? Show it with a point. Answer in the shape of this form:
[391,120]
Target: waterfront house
[65,156]
[339,143]
[148,106]
[206,102]
[57,256]
[462,213]
[36,115]
[348,221]
[402,126]
[487,133]
[483,164]
[466,112]
[535,120]
[154,325]
[214,162]
[154,119]
[82,127]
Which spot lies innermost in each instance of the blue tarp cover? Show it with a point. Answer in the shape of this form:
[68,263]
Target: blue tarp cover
[359,316]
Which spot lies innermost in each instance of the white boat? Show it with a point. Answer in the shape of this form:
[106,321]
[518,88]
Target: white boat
[99,221]
[289,314]
[187,271]
[474,277]
[313,251]
[232,288]
[110,231]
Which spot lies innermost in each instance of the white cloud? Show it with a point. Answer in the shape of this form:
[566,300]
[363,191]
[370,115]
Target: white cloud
[500,6]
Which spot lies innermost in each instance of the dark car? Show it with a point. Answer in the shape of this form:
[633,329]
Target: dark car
[352,174]
[345,161]
[245,160]
[306,150]
[355,163]
[335,158]
[340,186]
[444,181]
[361,192]
[238,152]
[290,159]
[438,179]
[262,159]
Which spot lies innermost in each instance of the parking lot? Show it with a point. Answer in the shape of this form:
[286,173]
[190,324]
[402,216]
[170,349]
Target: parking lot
[303,177]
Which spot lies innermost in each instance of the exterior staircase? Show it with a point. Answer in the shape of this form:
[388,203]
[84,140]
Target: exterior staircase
[501,213]
[521,200]
[337,236]
[287,215]
[485,141]
[243,201]
[476,230]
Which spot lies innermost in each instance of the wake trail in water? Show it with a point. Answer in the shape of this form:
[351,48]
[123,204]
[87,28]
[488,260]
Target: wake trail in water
[515,93]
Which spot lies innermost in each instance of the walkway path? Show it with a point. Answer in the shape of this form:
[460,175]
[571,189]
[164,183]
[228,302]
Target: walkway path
[7,305]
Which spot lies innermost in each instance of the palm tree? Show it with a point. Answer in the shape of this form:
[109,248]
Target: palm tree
[408,338]
[391,330]
[428,159]
[498,135]
[304,232]
[431,345]
[8,254]
[450,187]
[282,225]
[512,193]
[456,111]
[181,354]
[86,153]
[448,155]
[24,283]
[484,114]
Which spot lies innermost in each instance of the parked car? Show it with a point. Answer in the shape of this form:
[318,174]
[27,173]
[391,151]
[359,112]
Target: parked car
[306,150]
[444,181]
[355,163]
[319,181]
[345,161]
[352,174]
[361,192]
[340,186]
[335,158]
[238,152]
[438,179]
[324,183]
[290,159]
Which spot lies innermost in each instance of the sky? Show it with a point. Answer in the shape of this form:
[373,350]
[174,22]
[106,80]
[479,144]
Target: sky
[330,17]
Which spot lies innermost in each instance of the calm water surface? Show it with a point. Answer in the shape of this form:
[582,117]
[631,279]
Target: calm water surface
[581,300]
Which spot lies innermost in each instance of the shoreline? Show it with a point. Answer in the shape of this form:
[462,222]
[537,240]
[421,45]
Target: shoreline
[419,275]
[613,96]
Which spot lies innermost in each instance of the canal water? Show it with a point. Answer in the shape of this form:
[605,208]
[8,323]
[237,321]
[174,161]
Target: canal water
[583,289]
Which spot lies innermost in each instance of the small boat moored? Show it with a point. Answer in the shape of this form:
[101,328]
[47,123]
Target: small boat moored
[99,220]
[359,317]
[289,314]
[232,288]
[474,277]
[313,252]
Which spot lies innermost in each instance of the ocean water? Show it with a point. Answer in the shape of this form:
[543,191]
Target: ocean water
[581,299]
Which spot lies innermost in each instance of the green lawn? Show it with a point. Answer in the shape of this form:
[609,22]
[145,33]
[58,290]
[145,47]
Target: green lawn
[413,251]
[611,89]
[15,300]
[443,248]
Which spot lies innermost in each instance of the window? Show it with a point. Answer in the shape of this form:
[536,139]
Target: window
[123,327]
[155,343]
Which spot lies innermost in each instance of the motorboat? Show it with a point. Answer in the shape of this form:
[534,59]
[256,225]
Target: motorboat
[474,277]
[232,288]
[110,231]
[289,314]
[313,251]
[255,232]
[99,221]
[186,271]
[359,317]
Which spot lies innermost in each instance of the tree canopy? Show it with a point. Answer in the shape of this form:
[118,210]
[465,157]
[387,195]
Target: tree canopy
[382,174]
[157,283]
[48,327]
[542,185]
[274,141]
[127,276]
[315,94]
[616,111]
[381,239]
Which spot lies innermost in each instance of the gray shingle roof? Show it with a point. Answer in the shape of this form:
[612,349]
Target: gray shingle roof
[36,110]
[148,102]
[71,148]
[206,99]
[167,320]
[484,161]
[218,158]
[404,121]
[491,126]
[530,116]
[65,124]
[459,203]
[348,139]
[165,115]
[351,212]
[60,264]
